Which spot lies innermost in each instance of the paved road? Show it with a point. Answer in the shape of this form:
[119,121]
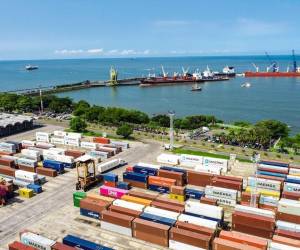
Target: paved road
[58,193]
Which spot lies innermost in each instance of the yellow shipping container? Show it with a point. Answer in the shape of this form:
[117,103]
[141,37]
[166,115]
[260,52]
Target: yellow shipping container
[137,200]
[97,196]
[40,164]
[177,197]
[25,192]
[265,192]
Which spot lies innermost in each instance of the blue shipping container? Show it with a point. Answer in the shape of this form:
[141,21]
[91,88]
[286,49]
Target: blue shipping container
[123,185]
[89,213]
[159,189]
[180,170]
[56,165]
[278,164]
[145,170]
[110,177]
[259,172]
[193,193]
[36,188]
[135,177]
[77,242]
[69,165]
[291,180]
[157,219]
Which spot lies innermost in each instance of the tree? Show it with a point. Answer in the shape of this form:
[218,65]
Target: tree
[77,124]
[125,130]
[25,103]
[277,129]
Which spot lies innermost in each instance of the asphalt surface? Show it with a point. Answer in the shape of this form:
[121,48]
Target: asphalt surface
[21,214]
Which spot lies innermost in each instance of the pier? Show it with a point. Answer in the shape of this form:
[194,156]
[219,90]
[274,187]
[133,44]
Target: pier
[52,89]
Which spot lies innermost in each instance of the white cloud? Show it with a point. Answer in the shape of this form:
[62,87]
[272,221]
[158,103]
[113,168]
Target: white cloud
[95,51]
[69,52]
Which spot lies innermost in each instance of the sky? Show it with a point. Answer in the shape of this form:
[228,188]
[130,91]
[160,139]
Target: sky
[51,29]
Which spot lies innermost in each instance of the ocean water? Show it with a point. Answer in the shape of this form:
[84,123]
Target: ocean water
[268,98]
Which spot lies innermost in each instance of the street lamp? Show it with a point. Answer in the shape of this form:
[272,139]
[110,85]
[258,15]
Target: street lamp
[255,159]
[171,115]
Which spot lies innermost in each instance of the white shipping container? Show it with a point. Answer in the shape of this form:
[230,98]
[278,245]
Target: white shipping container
[253,210]
[176,245]
[108,148]
[8,147]
[148,165]
[289,206]
[198,221]
[60,151]
[168,159]
[129,205]
[264,183]
[56,140]
[45,145]
[116,228]
[24,175]
[288,226]
[101,154]
[42,137]
[206,210]
[221,192]
[295,177]
[60,133]
[72,141]
[291,187]
[209,161]
[28,143]
[222,201]
[268,200]
[10,157]
[36,241]
[30,153]
[294,171]
[212,169]
[161,212]
[74,135]
[121,144]
[264,166]
[21,183]
[277,246]
[190,159]
[89,145]
[27,162]
[105,166]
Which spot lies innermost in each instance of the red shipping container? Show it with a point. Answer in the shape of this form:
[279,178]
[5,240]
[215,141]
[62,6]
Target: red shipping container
[222,244]
[274,178]
[101,140]
[230,178]
[257,221]
[169,207]
[268,207]
[170,201]
[246,197]
[209,201]
[161,181]
[74,153]
[26,168]
[291,195]
[7,162]
[5,153]
[126,211]
[245,239]
[19,246]
[179,177]
[288,234]
[268,234]
[288,217]
[280,171]
[46,171]
[286,241]
[61,246]
[7,171]
[246,203]
[142,195]
[199,178]
[226,184]
[110,183]
[129,169]
[137,184]
[195,228]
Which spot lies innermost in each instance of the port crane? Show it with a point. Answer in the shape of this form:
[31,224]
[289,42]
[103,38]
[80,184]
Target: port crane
[256,67]
[294,62]
[165,74]
[273,64]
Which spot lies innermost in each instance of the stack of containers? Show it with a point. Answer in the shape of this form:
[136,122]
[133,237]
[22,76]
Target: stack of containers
[72,139]
[59,167]
[7,161]
[292,186]
[230,182]
[246,199]
[273,168]
[191,161]
[224,196]
[288,215]
[42,137]
[177,193]
[269,191]
[123,185]
[23,178]
[215,163]
[255,221]
[199,179]
[127,208]
[27,143]
[30,153]
[110,179]
[237,240]
[194,192]
[160,184]
[27,164]
[136,179]
[8,147]
[18,145]
[159,215]
[204,211]
[92,207]
[168,204]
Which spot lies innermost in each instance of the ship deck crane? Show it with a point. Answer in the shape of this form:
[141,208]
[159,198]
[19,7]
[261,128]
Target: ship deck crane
[273,64]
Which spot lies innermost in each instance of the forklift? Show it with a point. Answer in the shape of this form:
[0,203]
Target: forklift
[86,173]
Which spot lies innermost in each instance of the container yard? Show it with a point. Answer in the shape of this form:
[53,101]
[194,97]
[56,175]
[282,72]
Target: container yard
[144,199]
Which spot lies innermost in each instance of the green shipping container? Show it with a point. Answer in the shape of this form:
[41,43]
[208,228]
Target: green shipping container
[77,196]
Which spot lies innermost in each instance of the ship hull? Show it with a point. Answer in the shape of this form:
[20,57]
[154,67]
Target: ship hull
[272,74]
[168,81]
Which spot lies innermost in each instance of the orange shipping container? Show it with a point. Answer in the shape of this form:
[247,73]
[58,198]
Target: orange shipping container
[137,200]
[246,239]
[109,183]
[101,140]
[286,241]
[221,244]
[161,181]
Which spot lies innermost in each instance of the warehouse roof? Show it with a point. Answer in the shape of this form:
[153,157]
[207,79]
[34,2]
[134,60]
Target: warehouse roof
[13,119]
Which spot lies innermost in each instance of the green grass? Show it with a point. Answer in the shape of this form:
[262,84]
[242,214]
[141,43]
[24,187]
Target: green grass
[207,154]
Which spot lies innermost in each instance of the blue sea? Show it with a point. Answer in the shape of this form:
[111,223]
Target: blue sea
[268,98]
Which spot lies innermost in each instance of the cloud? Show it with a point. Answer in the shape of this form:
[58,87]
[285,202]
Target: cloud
[95,51]
[69,52]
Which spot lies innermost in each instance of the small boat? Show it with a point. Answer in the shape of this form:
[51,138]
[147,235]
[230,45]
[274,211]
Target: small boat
[246,85]
[31,67]
[196,88]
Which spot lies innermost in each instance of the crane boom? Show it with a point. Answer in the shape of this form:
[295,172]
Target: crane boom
[273,65]
[294,61]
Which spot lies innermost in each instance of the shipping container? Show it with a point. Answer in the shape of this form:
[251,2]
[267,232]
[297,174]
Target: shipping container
[222,201]
[36,241]
[112,192]
[222,244]
[135,177]
[42,137]
[285,240]
[288,234]
[193,193]
[169,207]
[205,210]
[195,228]
[198,221]
[267,234]
[57,140]
[26,176]
[27,162]
[142,195]
[46,171]
[137,200]
[161,212]
[179,177]
[289,207]
[253,210]
[122,144]
[161,181]
[198,178]
[209,162]
[110,177]
[157,219]
[61,246]
[77,242]
[123,185]
[106,166]
[177,197]
[88,145]
[145,170]
[90,213]
[170,201]
[264,183]
[265,192]
[100,154]
[221,192]
[209,169]
[56,165]
[19,246]
[159,189]
[36,188]
[178,190]
[283,225]
[278,246]
[266,173]
[176,245]
[190,160]
[168,159]
[293,179]
[8,147]
[275,163]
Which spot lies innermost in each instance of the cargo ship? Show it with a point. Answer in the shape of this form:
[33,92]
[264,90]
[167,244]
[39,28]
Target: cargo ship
[273,70]
[228,71]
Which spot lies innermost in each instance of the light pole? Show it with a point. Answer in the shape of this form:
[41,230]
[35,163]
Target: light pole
[255,159]
[171,115]
[41,100]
